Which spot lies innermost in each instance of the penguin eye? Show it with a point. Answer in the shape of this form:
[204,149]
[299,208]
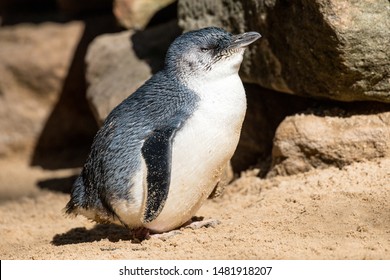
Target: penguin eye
[208,48]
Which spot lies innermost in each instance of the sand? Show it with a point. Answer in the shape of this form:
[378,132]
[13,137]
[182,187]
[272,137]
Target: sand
[322,214]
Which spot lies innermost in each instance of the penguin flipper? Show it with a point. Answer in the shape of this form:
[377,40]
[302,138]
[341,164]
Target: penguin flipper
[157,153]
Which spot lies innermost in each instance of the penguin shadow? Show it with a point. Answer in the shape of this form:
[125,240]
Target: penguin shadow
[114,233]
[62,185]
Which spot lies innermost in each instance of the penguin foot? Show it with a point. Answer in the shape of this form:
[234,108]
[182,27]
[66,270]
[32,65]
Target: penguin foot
[166,235]
[197,224]
[140,234]
[194,223]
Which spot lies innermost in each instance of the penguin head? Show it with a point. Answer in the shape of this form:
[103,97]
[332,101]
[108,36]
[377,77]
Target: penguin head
[209,51]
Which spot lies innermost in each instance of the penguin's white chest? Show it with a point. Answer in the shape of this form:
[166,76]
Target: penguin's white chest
[202,148]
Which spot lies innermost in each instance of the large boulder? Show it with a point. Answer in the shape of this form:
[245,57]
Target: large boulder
[34,62]
[337,49]
[117,64]
[337,137]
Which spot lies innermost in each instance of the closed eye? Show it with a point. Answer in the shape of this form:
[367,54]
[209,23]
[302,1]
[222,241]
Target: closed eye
[208,48]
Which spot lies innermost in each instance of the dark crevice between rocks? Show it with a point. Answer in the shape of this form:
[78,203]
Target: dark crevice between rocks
[14,12]
[341,109]
[164,15]
[266,109]
[82,9]
[152,43]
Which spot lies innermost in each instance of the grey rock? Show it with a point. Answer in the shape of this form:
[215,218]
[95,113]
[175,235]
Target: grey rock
[117,64]
[321,48]
[331,137]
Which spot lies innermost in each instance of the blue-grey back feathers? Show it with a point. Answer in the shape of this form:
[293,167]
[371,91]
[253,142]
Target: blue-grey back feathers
[157,109]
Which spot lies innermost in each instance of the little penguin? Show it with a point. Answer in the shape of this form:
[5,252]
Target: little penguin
[161,152]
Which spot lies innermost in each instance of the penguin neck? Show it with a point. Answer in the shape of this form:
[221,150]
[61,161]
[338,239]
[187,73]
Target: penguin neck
[206,85]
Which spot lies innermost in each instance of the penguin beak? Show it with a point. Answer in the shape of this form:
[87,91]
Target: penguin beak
[243,40]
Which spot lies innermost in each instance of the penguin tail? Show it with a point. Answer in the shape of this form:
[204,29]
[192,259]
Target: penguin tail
[76,198]
[70,208]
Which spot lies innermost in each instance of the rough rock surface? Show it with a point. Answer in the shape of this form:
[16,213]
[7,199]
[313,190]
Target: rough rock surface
[337,49]
[117,64]
[137,13]
[34,62]
[337,137]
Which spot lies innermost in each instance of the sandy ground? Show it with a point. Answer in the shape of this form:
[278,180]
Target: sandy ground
[327,214]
